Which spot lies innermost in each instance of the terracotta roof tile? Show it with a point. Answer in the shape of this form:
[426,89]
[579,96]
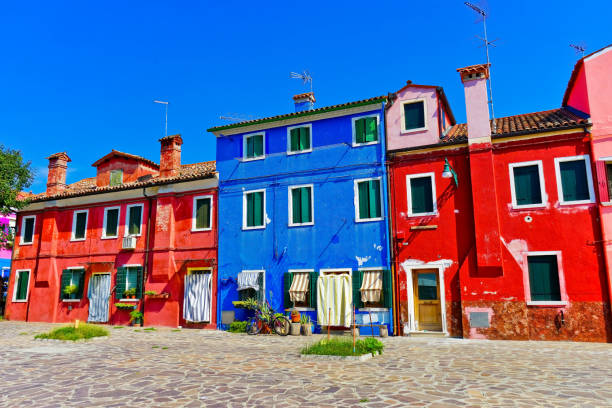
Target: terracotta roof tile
[117,153]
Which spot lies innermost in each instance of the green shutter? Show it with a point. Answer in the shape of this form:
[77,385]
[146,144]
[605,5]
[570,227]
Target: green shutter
[116,177]
[120,282]
[250,152]
[258,209]
[203,213]
[135,220]
[249,210]
[574,180]
[360,131]
[527,185]
[421,195]
[139,282]
[258,145]
[295,140]
[65,281]
[306,202]
[112,222]
[28,234]
[357,280]
[364,201]
[81,225]
[387,291]
[296,212]
[22,285]
[80,283]
[544,278]
[374,198]
[304,138]
[288,279]
[260,292]
[414,115]
[371,129]
[312,289]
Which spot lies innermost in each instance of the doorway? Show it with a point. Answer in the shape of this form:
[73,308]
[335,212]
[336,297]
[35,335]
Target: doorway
[427,304]
[98,293]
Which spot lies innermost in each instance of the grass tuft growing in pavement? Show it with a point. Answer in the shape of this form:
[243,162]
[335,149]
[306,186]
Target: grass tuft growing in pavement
[364,400]
[344,347]
[85,331]
[117,327]
[176,330]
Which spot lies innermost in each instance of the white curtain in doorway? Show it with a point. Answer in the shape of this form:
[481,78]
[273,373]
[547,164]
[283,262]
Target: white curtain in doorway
[198,297]
[334,300]
[98,293]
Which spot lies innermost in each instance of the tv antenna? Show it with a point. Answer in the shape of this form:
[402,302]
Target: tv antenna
[235,117]
[579,48]
[304,76]
[164,103]
[486,44]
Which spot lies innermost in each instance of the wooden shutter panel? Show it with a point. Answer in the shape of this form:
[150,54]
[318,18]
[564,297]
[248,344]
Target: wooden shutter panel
[387,289]
[28,234]
[602,181]
[22,285]
[306,203]
[296,212]
[81,283]
[65,281]
[288,279]
[312,288]
[203,213]
[258,208]
[374,198]
[120,282]
[295,140]
[414,115]
[139,282]
[371,131]
[364,200]
[527,185]
[360,131]
[421,195]
[112,221]
[574,180]
[357,280]
[304,138]
[80,225]
[544,278]
[260,293]
[249,210]
[258,145]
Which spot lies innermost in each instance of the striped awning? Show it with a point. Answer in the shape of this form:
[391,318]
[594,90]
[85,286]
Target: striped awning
[371,286]
[299,287]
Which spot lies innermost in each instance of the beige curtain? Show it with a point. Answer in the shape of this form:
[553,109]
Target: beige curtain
[371,286]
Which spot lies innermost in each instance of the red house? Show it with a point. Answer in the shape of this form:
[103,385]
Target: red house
[496,224]
[139,235]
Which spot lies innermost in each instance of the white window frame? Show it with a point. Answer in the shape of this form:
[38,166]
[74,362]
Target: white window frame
[244,210]
[110,176]
[356,200]
[378,269]
[409,177]
[71,276]
[22,231]
[354,136]
[302,309]
[263,272]
[330,271]
[403,119]
[127,219]
[587,164]
[106,210]
[127,280]
[74,222]
[290,206]
[527,285]
[194,209]
[244,146]
[14,298]
[511,168]
[289,152]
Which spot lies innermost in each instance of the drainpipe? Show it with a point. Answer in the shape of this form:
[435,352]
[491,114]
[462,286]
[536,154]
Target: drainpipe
[31,279]
[145,268]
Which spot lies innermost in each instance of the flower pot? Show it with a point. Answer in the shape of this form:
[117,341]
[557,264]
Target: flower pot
[384,332]
[307,330]
[295,329]
[295,316]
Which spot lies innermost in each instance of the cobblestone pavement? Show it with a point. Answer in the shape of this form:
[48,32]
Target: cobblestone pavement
[196,368]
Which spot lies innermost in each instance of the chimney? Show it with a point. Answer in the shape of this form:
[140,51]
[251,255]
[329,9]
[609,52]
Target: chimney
[170,161]
[304,102]
[56,179]
[474,80]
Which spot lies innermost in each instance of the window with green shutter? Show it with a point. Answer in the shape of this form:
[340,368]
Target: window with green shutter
[111,222]
[116,178]
[368,200]
[527,187]
[79,225]
[357,280]
[544,278]
[366,130]
[72,283]
[299,139]
[253,146]
[421,195]
[20,288]
[27,235]
[129,282]
[134,221]
[254,209]
[301,205]
[202,213]
[574,180]
[414,115]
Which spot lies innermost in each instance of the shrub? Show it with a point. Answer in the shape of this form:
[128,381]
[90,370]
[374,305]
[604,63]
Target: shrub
[84,331]
[71,289]
[238,327]
[150,292]
[344,347]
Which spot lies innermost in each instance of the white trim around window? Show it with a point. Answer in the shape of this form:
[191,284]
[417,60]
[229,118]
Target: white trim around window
[587,165]
[378,132]
[22,230]
[74,223]
[403,120]
[127,280]
[75,268]
[244,146]
[307,125]
[263,280]
[15,287]
[543,195]
[290,206]
[409,177]
[527,285]
[333,271]
[194,209]
[244,208]
[127,219]
[356,199]
[106,210]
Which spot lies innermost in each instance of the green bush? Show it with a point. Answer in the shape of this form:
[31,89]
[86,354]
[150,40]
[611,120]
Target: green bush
[344,347]
[238,327]
[85,331]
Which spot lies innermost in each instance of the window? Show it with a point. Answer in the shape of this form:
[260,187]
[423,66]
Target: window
[72,283]
[544,278]
[413,116]
[368,200]
[299,139]
[129,282]
[301,206]
[253,146]
[301,288]
[21,286]
[609,178]
[372,288]
[111,222]
[365,130]
[527,184]
[116,177]
[421,194]
[79,225]
[27,229]
[134,220]
[574,182]
[202,213]
[251,284]
[254,209]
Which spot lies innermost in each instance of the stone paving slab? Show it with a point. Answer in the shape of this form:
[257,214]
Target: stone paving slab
[202,368]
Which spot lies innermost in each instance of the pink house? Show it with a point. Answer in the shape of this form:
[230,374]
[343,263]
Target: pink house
[6,221]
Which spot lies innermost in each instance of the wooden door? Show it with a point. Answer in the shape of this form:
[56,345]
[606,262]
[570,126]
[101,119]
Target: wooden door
[427,299]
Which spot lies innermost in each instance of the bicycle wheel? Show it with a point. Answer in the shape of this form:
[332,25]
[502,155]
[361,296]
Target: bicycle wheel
[281,325]
[254,326]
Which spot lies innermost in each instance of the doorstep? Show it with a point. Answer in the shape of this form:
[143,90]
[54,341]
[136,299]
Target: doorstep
[426,333]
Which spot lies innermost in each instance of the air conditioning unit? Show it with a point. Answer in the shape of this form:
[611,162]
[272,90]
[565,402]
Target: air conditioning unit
[129,242]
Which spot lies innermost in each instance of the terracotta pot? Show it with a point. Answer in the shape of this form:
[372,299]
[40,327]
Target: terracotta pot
[295,316]
[307,329]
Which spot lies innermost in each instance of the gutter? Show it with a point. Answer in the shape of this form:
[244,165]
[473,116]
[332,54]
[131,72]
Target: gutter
[145,268]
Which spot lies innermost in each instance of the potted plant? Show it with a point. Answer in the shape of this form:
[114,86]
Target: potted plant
[150,293]
[71,291]
[136,317]
[306,325]
[130,293]
[295,316]
[125,306]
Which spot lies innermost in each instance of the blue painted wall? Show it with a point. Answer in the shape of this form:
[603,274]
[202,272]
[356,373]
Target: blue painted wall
[335,240]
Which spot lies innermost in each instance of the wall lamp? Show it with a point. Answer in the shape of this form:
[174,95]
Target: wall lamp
[449,172]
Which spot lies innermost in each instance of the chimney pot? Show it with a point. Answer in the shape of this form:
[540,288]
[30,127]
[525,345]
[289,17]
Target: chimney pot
[304,102]
[170,159]
[56,179]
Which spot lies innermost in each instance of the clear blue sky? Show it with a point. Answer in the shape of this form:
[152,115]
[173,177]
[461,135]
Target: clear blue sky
[81,77]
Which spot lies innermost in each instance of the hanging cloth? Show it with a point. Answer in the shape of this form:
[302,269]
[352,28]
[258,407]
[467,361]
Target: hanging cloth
[334,300]
[197,299]
[98,293]
[248,280]
[371,287]
[299,287]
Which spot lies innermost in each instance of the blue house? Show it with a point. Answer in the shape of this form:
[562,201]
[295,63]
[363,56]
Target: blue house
[303,213]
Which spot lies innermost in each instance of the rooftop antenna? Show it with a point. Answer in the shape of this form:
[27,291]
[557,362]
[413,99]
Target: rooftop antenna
[579,48]
[486,44]
[164,103]
[304,76]
[236,117]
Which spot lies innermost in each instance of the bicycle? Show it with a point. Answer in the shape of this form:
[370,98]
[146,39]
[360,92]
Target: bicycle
[267,320]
